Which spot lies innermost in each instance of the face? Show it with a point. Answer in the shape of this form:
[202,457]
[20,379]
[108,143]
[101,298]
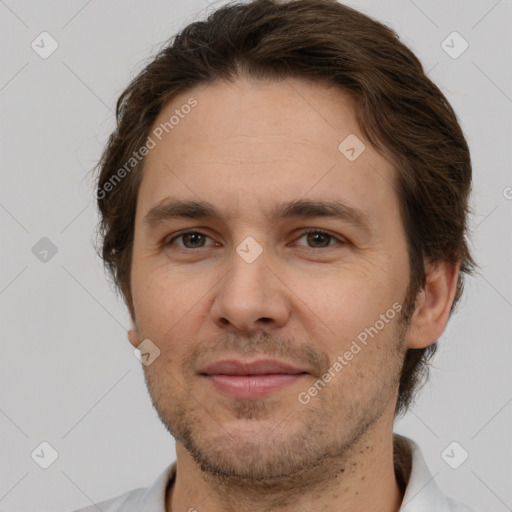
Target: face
[260,284]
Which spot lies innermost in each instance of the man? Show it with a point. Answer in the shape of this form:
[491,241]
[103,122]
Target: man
[284,206]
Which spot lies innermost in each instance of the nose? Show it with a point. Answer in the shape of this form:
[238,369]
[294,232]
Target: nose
[251,296]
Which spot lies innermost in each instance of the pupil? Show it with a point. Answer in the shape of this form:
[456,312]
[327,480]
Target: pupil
[194,236]
[316,235]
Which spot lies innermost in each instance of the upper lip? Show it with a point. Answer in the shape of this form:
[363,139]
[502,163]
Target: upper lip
[261,367]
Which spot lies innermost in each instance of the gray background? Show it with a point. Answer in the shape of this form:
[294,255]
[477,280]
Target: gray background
[68,374]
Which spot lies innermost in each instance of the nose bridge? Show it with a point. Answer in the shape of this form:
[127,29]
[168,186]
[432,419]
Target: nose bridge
[250,293]
[248,281]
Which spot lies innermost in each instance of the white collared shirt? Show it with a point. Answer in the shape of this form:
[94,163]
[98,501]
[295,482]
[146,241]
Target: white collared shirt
[422,493]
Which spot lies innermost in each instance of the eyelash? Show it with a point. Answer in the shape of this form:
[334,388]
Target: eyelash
[306,232]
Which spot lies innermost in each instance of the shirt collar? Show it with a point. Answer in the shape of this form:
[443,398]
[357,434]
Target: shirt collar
[422,494]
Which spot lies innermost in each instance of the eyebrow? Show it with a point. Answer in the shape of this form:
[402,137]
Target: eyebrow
[170,209]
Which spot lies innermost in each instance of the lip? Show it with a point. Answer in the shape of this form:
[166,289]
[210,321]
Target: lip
[261,367]
[257,379]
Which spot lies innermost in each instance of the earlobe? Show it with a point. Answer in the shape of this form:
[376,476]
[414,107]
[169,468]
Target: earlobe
[133,336]
[433,305]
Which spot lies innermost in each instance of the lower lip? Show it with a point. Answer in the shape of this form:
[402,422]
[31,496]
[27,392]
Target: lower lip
[253,386]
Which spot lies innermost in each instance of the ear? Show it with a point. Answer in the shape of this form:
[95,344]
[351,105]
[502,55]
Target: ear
[133,336]
[433,304]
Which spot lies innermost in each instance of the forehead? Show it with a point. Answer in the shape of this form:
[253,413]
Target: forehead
[251,143]
[228,114]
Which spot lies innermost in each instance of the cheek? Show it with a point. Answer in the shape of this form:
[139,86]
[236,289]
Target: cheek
[165,315]
[341,305]
[159,300]
[356,291]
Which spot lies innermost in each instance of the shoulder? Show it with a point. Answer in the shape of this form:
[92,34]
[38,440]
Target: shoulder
[457,506]
[150,498]
[117,504]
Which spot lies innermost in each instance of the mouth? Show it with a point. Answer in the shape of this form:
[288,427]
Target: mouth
[250,381]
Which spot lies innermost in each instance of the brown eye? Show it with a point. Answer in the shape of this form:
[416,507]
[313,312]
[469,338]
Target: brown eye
[319,239]
[191,240]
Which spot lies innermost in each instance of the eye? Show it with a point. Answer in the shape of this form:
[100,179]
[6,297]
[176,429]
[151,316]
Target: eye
[194,238]
[319,238]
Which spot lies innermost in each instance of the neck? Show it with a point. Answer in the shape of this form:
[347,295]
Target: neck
[363,479]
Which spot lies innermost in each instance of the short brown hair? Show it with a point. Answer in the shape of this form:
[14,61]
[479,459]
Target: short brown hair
[400,111]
